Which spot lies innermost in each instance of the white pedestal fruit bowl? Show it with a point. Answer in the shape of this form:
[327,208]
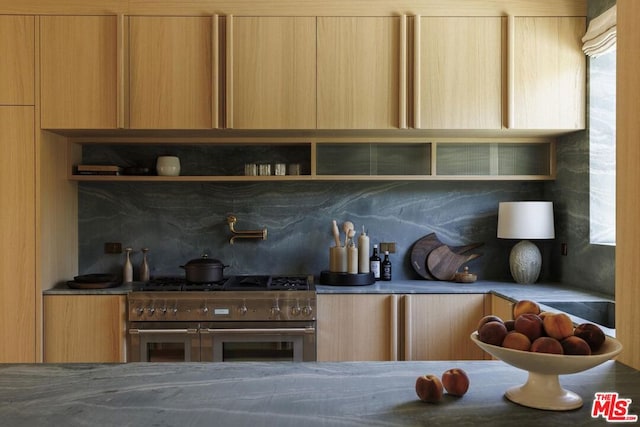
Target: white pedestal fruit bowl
[542,389]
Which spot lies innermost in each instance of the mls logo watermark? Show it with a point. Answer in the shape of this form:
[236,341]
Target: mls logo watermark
[612,408]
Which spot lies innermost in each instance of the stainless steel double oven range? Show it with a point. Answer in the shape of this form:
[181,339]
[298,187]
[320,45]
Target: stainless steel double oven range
[241,318]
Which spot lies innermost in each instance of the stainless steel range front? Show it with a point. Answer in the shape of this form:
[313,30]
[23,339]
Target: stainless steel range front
[242,318]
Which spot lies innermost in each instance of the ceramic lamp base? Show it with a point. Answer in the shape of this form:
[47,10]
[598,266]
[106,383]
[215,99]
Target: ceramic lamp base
[525,262]
[543,391]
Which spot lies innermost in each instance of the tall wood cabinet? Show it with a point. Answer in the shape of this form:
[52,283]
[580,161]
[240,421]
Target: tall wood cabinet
[18,287]
[398,327]
[17,41]
[18,230]
[458,72]
[271,72]
[360,83]
[84,328]
[173,72]
[79,72]
[548,85]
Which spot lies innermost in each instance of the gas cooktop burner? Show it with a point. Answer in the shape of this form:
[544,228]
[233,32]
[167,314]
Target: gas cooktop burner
[233,283]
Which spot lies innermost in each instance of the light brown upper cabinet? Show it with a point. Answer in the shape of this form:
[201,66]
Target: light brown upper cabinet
[17,60]
[17,228]
[547,88]
[458,72]
[271,72]
[360,78]
[79,72]
[173,72]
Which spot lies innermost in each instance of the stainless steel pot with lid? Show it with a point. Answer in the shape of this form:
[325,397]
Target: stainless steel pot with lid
[204,270]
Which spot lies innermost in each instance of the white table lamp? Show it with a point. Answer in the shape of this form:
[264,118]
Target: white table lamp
[525,220]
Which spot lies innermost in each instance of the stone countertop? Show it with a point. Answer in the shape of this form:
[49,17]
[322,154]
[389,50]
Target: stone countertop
[509,290]
[63,289]
[286,394]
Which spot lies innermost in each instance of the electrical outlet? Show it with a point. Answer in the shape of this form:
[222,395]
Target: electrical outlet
[112,248]
[386,246]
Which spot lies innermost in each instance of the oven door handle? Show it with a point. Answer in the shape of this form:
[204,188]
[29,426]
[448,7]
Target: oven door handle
[254,331]
[163,331]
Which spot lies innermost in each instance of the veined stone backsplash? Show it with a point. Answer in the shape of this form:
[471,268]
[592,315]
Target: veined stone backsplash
[179,221]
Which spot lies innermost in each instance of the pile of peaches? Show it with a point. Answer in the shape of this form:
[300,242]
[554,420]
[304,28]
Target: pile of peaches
[542,332]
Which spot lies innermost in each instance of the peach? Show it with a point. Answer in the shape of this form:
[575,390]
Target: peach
[558,325]
[575,345]
[486,319]
[525,306]
[429,388]
[592,334]
[455,381]
[516,341]
[529,324]
[544,314]
[510,324]
[492,332]
[547,345]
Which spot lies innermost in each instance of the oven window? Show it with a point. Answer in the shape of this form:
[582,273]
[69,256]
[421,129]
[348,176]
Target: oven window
[166,352]
[257,351]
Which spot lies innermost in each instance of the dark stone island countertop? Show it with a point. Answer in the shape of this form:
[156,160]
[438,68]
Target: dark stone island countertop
[286,394]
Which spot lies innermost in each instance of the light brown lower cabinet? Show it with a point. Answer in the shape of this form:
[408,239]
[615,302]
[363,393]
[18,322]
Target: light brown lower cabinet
[376,327]
[501,307]
[84,328]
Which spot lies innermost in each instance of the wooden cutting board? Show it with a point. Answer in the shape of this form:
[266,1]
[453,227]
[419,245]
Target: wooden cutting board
[421,249]
[419,254]
[443,263]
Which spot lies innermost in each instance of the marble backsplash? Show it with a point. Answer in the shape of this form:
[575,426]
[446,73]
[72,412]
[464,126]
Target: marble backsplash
[179,221]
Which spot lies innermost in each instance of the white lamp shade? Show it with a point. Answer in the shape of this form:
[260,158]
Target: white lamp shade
[525,220]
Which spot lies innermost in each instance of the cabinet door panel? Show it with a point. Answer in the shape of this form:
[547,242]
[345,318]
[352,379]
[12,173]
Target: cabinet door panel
[438,326]
[356,327]
[17,228]
[549,73]
[84,328]
[273,72]
[460,77]
[358,72]
[78,72]
[17,60]
[170,73]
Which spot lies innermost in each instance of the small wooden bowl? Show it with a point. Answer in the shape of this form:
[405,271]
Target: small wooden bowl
[465,277]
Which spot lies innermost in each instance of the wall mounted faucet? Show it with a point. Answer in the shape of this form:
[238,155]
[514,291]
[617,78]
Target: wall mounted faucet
[247,234]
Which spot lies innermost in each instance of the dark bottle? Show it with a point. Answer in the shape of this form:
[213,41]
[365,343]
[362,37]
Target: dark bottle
[374,263]
[386,267]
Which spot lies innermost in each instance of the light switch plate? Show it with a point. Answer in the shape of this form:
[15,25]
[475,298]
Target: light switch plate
[112,248]
[386,246]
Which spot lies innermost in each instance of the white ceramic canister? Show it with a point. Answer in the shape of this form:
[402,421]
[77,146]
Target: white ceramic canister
[363,252]
[338,259]
[168,166]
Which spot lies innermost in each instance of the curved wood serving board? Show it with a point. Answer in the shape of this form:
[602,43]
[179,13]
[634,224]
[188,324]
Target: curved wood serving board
[423,246]
[443,263]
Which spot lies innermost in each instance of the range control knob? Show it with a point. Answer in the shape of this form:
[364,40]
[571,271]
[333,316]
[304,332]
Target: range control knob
[296,310]
[242,310]
[275,309]
[307,310]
